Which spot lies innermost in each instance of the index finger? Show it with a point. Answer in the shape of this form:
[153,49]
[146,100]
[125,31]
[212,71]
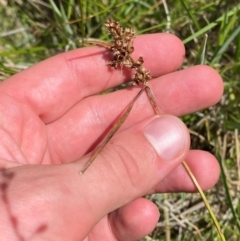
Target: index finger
[53,86]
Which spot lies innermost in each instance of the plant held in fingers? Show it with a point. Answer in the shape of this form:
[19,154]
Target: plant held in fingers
[122,47]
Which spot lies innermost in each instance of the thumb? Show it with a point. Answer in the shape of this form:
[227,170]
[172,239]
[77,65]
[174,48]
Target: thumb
[133,162]
[63,205]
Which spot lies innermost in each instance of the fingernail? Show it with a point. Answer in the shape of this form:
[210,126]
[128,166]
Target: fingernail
[167,135]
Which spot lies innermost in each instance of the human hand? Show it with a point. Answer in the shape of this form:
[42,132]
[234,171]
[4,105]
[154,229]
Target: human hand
[51,114]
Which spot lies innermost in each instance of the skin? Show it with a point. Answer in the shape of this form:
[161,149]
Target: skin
[52,118]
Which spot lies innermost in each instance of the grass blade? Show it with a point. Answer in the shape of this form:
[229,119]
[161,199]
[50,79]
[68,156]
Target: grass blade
[224,47]
[200,59]
[224,179]
[211,25]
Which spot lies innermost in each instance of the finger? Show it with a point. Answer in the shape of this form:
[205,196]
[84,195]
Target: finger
[131,222]
[86,123]
[56,84]
[134,220]
[133,162]
[204,167]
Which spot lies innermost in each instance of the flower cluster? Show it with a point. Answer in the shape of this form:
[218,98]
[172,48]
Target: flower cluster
[122,48]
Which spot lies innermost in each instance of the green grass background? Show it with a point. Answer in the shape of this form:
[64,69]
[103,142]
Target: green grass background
[31,31]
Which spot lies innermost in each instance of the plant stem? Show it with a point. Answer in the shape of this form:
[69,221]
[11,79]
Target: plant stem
[113,130]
